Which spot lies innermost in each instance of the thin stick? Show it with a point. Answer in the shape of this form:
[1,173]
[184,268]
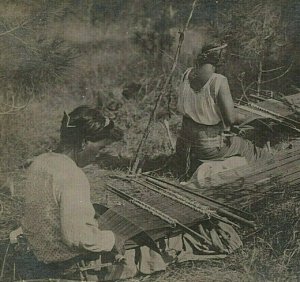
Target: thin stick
[14,272]
[279,68]
[171,139]
[3,263]
[1,209]
[14,28]
[138,155]
[11,198]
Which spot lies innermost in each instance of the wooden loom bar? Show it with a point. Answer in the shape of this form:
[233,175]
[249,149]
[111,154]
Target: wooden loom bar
[173,222]
[208,199]
[185,201]
[222,211]
[274,114]
[266,109]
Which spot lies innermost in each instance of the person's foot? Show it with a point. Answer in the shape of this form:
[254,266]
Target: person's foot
[120,259]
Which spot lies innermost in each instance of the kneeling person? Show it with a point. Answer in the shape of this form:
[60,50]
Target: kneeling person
[59,222]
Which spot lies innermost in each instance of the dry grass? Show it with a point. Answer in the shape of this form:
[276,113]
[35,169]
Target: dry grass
[32,131]
[108,61]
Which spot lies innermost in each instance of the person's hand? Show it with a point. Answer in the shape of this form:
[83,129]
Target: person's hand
[118,250]
[120,259]
[119,244]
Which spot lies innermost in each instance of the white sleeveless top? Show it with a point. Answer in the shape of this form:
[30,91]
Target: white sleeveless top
[200,105]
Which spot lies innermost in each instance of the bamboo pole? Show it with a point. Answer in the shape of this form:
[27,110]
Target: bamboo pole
[138,155]
[209,201]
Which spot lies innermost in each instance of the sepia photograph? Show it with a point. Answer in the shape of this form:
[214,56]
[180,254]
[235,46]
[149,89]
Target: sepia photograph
[149,140]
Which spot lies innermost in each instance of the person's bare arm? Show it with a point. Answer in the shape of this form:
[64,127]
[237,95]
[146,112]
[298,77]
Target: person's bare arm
[240,118]
[226,105]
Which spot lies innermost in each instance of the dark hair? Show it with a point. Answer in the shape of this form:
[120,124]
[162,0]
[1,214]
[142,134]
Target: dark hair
[83,124]
[210,54]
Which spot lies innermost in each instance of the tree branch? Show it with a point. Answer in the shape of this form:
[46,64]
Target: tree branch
[279,68]
[13,108]
[279,76]
[14,28]
[243,57]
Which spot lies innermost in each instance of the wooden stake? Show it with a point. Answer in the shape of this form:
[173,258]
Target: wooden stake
[138,155]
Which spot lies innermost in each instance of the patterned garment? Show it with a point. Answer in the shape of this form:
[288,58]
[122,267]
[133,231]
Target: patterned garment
[198,142]
[58,221]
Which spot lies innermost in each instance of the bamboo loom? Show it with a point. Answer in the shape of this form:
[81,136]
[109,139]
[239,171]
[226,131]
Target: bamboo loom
[146,212]
[149,208]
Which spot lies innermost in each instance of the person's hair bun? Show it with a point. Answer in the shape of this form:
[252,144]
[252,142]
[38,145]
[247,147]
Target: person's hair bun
[84,123]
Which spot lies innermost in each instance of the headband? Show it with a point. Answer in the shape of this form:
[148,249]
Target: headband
[216,48]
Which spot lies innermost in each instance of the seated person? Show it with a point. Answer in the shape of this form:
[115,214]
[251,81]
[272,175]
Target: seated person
[208,113]
[58,221]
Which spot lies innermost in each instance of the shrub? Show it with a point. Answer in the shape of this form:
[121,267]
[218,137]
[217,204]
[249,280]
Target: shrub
[44,62]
